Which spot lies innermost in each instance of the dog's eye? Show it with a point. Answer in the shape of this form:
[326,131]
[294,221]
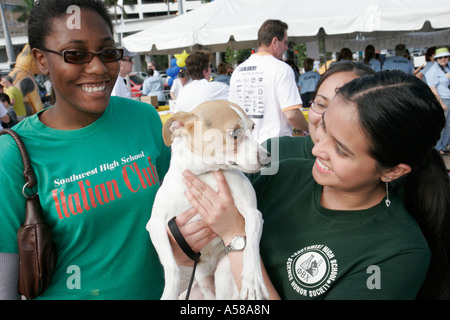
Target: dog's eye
[236,133]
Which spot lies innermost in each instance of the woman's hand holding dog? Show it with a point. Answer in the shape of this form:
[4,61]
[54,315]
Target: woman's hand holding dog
[219,216]
[219,212]
[217,209]
[197,234]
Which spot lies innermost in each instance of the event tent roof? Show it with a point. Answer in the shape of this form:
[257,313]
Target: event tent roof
[235,23]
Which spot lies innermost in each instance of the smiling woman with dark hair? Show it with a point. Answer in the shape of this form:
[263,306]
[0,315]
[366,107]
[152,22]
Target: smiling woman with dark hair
[368,218]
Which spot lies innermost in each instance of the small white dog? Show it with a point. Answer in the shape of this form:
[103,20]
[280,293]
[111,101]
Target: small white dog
[217,135]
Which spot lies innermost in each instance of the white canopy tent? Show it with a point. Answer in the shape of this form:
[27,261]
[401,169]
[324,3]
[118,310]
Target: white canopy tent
[354,24]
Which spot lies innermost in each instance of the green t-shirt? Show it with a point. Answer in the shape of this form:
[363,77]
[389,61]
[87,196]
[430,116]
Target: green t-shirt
[96,186]
[311,252]
[282,148]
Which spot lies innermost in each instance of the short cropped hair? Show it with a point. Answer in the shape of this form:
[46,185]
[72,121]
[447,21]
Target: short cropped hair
[271,29]
[308,64]
[40,22]
[197,62]
[400,50]
[4,97]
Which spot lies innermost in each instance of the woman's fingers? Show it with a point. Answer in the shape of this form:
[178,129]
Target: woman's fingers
[199,194]
[186,216]
[217,208]
[222,184]
[196,233]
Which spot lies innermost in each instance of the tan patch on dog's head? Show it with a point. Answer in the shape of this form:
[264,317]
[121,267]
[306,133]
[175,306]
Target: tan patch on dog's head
[176,125]
[206,124]
[215,114]
[217,134]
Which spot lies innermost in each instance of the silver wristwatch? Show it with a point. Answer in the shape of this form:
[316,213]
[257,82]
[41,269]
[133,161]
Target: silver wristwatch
[237,244]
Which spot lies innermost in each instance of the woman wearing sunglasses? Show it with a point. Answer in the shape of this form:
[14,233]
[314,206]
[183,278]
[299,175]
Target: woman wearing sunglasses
[98,166]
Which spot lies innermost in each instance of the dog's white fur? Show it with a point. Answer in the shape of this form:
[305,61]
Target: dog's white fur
[214,136]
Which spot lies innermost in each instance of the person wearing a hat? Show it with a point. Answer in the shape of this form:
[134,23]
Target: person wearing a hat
[126,66]
[438,78]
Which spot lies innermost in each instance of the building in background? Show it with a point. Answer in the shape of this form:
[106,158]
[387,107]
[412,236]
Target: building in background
[16,30]
[138,15]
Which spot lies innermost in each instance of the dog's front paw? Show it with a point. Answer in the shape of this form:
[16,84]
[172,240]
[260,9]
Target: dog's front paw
[253,287]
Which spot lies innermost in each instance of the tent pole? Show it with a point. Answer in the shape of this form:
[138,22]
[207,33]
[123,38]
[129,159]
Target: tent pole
[322,44]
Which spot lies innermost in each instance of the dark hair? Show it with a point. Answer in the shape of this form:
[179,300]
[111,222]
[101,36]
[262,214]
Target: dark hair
[40,23]
[400,50]
[197,62]
[357,68]
[345,54]
[222,68]
[271,29]
[308,64]
[430,52]
[182,74]
[150,72]
[403,120]
[369,53]
[4,97]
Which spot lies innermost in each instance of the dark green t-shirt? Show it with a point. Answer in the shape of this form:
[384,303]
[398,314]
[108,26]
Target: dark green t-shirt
[282,148]
[311,252]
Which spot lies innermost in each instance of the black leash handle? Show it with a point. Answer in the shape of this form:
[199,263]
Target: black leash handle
[186,249]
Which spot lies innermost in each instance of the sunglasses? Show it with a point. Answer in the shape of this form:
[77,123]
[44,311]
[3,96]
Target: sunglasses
[80,56]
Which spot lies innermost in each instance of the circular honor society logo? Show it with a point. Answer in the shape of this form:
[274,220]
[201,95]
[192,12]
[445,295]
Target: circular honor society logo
[311,270]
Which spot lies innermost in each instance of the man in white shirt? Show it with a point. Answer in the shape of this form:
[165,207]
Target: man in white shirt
[126,66]
[199,89]
[265,87]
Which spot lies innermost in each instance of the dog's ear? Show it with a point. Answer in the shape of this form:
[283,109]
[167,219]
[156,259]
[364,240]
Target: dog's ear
[176,125]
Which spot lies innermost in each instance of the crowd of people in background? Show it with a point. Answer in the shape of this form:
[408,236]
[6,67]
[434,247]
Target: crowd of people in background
[306,79]
[12,108]
[436,66]
[199,80]
[365,187]
[435,72]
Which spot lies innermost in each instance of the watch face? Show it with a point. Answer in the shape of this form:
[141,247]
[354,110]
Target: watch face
[238,243]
